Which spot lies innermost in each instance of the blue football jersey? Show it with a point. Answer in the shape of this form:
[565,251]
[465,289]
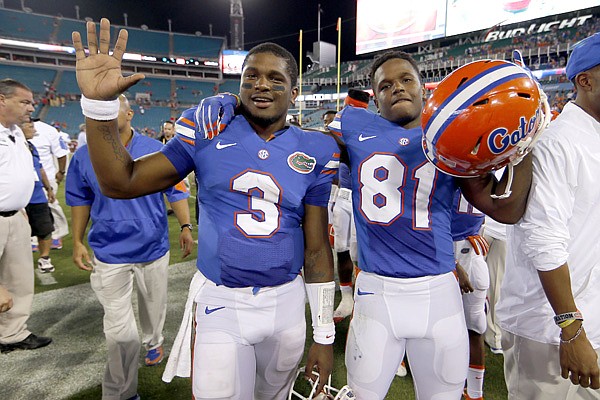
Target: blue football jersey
[123,231]
[251,198]
[402,204]
[466,219]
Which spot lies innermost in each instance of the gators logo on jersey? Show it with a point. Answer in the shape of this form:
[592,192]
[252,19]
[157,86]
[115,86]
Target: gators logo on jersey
[302,163]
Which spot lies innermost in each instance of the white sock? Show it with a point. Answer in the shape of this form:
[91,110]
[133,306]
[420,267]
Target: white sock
[475,381]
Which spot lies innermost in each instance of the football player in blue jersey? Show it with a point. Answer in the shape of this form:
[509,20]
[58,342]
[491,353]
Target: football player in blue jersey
[263,192]
[406,296]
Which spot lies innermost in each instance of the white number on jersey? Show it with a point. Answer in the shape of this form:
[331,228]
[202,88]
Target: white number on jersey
[262,217]
[382,178]
[464,207]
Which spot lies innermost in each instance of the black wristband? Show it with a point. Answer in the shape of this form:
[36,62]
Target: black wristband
[187,226]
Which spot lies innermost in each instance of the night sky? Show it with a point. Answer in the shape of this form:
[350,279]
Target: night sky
[278,21]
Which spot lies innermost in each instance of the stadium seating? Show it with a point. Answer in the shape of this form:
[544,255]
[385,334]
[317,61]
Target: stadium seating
[145,42]
[230,85]
[152,117]
[67,83]
[27,26]
[542,51]
[69,116]
[159,89]
[191,92]
[202,47]
[33,77]
[66,28]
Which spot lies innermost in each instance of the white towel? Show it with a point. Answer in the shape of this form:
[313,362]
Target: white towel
[180,359]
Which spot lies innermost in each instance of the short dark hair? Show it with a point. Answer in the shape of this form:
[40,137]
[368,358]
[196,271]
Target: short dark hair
[8,86]
[168,121]
[359,95]
[391,55]
[277,50]
[329,112]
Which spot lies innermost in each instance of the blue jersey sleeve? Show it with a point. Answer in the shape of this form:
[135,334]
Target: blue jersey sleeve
[77,190]
[466,219]
[318,192]
[177,192]
[336,125]
[180,151]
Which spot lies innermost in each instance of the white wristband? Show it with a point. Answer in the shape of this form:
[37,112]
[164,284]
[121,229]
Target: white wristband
[320,298]
[100,110]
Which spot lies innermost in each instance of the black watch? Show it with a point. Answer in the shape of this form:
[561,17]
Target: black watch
[187,226]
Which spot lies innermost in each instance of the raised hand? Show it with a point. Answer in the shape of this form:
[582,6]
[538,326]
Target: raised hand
[99,75]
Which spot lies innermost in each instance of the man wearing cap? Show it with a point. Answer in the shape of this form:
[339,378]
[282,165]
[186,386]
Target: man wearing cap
[550,297]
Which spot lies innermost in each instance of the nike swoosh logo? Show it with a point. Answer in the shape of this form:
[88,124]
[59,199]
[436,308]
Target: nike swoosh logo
[361,293]
[212,310]
[220,146]
[362,138]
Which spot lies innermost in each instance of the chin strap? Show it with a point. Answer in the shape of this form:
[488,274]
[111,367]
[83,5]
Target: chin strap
[507,191]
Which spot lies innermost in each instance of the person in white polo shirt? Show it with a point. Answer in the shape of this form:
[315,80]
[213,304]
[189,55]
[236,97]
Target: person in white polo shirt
[549,306]
[17,178]
[49,145]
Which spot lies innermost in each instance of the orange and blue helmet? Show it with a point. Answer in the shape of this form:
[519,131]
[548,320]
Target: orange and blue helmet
[481,117]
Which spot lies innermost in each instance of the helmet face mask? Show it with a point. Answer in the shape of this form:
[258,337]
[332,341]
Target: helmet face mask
[330,393]
[482,117]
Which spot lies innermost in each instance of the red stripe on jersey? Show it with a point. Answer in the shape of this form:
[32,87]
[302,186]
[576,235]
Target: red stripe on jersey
[188,122]
[188,141]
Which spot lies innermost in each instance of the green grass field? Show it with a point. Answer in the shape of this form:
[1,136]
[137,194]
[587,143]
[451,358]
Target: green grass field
[152,387]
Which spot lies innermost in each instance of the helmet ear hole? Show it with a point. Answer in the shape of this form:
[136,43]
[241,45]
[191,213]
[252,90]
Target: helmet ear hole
[476,148]
[524,95]
[481,102]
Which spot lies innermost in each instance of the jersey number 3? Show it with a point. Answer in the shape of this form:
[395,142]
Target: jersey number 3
[261,220]
[383,181]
